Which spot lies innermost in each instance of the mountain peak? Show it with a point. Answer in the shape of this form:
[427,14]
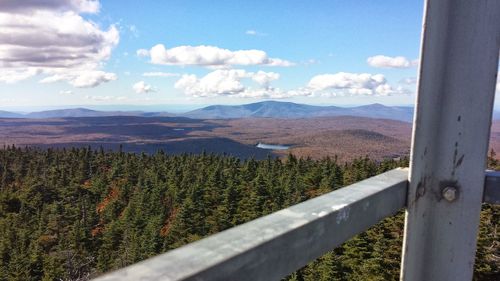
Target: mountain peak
[280,109]
[374,105]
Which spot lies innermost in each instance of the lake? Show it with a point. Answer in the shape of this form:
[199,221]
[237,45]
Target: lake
[272,146]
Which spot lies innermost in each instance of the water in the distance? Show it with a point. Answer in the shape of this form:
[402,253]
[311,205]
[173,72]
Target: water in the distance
[272,146]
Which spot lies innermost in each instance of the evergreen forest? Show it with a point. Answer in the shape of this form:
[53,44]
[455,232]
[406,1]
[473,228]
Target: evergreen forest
[72,214]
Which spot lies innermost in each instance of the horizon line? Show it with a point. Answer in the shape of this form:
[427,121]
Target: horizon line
[168,107]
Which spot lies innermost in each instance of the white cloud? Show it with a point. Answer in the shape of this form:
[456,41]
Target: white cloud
[142,53]
[10,76]
[218,82]
[227,82]
[279,62]
[27,6]
[134,30]
[66,92]
[381,61]
[252,32]
[160,74]
[224,82]
[344,80]
[81,79]
[209,56]
[142,88]
[90,79]
[51,38]
[6,101]
[343,83]
[264,78]
[106,98]
[409,80]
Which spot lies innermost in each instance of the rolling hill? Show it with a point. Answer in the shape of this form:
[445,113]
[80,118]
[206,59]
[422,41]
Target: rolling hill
[265,109]
[80,112]
[275,109]
[8,114]
[346,137]
[73,112]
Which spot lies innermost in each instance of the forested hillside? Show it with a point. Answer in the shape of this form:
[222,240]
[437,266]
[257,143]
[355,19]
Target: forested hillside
[72,214]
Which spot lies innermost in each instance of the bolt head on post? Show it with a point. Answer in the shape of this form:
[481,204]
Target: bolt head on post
[450,193]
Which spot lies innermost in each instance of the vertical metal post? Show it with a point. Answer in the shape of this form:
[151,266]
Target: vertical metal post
[456,87]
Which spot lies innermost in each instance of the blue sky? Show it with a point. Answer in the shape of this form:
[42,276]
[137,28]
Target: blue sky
[185,54]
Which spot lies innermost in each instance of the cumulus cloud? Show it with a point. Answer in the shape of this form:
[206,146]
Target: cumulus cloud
[230,83]
[381,61]
[311,62]
[218,82]
[81,79]
[227,82]
[160,74]
[26,6]
[142,88]
[142,53]
[344,80]
[208,56]
[10,76]
[353,84]
[51,38]
[265,78]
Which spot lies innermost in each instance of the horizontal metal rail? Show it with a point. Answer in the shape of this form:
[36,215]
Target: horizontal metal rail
[272,247]
[492,188]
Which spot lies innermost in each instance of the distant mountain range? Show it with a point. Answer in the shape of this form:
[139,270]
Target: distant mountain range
[7,114]
[265,109]
[80,112]
[275,109]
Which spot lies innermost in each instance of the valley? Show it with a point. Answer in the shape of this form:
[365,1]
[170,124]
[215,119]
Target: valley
[344,137]
[252,130]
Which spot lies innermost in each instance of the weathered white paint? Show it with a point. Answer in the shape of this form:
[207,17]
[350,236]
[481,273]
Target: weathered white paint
[456,87]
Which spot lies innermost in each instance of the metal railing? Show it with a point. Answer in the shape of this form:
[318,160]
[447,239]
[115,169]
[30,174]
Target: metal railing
[491,192]
[442,192]
[273,246]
